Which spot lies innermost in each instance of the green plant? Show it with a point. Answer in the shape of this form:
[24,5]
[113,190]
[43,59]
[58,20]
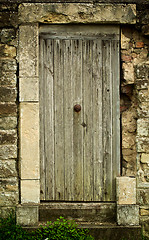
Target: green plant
[61,229]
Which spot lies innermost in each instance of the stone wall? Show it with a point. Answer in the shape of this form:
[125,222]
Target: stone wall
[8,108]
[134,107]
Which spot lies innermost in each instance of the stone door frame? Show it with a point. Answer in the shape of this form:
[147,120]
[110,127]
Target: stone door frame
[30,16]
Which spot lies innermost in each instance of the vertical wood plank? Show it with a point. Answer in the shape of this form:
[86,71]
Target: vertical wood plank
[88,101]
[116,113]
[77,119]
[107,120]
[68,123]
[59,120]
[97,120]
[49,122]
[42,130]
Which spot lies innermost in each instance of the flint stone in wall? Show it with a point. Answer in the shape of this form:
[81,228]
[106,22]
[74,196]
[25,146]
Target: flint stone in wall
[6,211]
[7,94]
[143,127]
[144,211]
[143,196]
[77,13]
[8,109]
[8,137]
[143,95]
[128,72]
[142,84]
[8,19]
[8,79]
[7,51]
[8,168]
[144,221]
[7,123]
[8,198]
[8,65]
[128,215]
[8,151]
[142,71]
[143,144]
[143,110]
[7,35]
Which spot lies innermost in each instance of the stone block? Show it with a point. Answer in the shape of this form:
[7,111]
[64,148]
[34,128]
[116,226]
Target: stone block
[28,51]
[143,110]
[128,72]
[8,123]
[126,190]
[29,89]
[9,184]
[30,191]
[7,51]
[6,211]
[29,140]
[77,13]
[142,144]
[143,127]
[8,79]
[7,19]
[143,95]
[143,196]
[142,84]
[8,65]
[8,151]
[8,137]
[145,158]
[27,215]
[8,168]
[128,215]
[7,94]
[7,34]
[144,212]
[142,71]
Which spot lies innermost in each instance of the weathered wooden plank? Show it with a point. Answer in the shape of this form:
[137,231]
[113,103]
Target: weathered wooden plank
[77,120]
[68,121]
[42,119]
[116,113]
[107,120]
[59,119]
[88,119]
[49,121]
[97,120]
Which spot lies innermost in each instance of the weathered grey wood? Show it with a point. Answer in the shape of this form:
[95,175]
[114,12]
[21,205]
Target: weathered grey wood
[116,110]
[49,121]
[68,121]
[97,120]
[77,120]
[42,125]
[88,136]
[59,119]
[81,153]
[107,118]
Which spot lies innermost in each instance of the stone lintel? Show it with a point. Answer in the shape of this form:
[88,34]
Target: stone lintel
[27,215]
[126,190]
[77,13]
[29,89]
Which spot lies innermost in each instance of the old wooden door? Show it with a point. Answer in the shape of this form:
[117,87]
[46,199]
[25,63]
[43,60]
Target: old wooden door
[79,65]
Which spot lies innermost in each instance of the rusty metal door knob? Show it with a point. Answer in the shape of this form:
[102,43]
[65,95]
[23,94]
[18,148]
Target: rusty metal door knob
[77,108]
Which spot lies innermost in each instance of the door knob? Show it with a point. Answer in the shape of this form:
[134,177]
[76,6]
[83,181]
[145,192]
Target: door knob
[77,108]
